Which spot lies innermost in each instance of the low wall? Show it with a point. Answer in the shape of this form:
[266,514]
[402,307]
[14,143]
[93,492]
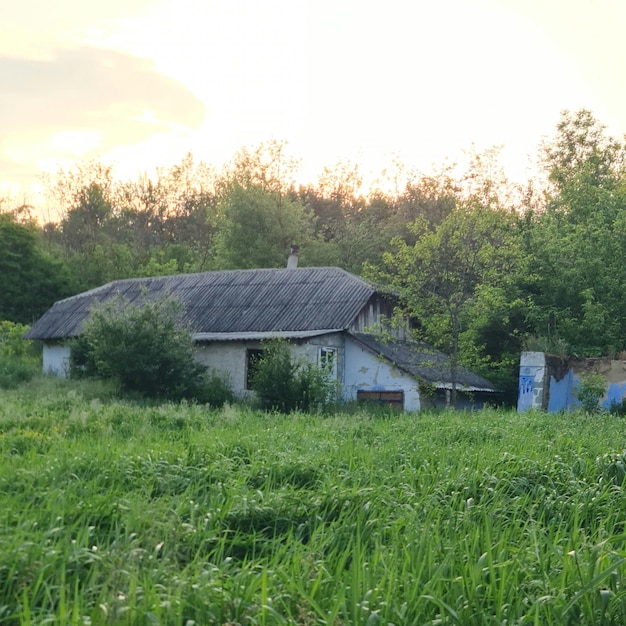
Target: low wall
[550,382]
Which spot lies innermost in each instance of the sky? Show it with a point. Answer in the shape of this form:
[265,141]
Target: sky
[140,83]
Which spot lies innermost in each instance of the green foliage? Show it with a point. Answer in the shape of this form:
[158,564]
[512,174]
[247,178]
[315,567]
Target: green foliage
[214,389]
[15,371]
[454,273]
[19,359]
[284,384]
[576,244]
[11,342]
[30,280]
[618,408]
[116,513]
[589,391]
[145,348]
[258,228]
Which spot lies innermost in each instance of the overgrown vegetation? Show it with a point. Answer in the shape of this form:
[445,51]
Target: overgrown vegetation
[19,359]
[484,265]
[147,351]
[284,383]
[589,391]
[113,513]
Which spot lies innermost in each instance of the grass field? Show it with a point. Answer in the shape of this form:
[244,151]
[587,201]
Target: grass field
[115,513]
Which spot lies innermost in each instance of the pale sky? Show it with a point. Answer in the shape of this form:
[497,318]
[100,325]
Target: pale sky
[139,83]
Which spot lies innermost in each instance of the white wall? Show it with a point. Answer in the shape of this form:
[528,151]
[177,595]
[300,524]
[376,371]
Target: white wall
[230,356]
[226,357]
[531,381]
[56,360]
[365,371]
[357,367]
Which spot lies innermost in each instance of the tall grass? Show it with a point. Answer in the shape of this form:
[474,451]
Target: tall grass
[116,513]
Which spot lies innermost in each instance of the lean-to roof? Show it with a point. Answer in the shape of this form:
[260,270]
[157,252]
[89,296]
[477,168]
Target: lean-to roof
[424,362]
[231,301]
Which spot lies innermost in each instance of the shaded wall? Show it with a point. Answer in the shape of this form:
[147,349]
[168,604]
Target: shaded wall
[364,371]
[550,382]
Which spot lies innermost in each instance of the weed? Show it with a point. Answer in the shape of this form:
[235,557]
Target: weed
[133,512]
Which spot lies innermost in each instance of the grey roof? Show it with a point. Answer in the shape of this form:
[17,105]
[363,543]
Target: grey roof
[231,301]
[263,336]
[424,362]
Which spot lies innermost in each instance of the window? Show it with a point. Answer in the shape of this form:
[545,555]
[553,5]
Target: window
[327,360]
[253,356]
[391,399]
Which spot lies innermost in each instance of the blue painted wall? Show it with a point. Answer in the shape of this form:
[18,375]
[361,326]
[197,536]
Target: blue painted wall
[548,382]
[563,393]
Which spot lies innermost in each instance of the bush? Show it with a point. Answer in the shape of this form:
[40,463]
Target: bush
[145,349]
[11,342]
[589,391]
[19,359]
[16,371]
[215,389]
[285,385]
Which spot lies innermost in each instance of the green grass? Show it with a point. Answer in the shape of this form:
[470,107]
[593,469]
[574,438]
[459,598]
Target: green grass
[117,513]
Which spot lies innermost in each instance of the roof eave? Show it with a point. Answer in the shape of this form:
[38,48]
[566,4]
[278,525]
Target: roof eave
[262,336]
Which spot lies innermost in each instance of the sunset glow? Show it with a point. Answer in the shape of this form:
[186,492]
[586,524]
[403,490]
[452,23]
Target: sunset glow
[140,83]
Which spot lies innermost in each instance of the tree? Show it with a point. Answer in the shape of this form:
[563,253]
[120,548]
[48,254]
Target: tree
[260,215]
[258,227]
[142,346]
[441,276]
[584,165]
[30,280]
[577,244]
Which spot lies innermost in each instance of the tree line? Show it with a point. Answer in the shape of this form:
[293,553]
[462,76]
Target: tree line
[486,268]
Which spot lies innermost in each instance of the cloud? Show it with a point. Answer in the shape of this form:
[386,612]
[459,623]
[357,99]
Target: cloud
[84,101]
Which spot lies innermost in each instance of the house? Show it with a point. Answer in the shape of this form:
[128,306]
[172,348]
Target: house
[324,312]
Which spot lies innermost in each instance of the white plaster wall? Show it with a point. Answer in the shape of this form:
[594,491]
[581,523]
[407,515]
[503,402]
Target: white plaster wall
[230,357]
[310,350]
[531,381]
[56,360]
[227,357]
[364,370]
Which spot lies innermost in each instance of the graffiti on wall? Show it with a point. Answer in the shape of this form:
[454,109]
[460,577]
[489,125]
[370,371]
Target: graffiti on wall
[561,379]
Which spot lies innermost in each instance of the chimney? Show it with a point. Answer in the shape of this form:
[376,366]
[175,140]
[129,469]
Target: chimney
[292,261]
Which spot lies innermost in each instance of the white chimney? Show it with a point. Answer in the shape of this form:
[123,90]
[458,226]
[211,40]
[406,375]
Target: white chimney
[292,261]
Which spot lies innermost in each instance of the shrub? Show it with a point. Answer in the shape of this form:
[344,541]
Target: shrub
[589,391]
[15,371]
[284,384]
[11,342]
[144,348]
[215,389]
[19,359]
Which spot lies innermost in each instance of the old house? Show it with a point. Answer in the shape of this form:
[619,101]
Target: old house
[325,313]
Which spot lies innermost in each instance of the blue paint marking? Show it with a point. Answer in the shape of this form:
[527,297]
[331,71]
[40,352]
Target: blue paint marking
[562,393]
[525,393]
[615,394]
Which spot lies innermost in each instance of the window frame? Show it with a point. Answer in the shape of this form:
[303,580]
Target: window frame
[323,354]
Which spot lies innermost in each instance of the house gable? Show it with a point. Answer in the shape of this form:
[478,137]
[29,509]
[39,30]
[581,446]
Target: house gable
[366,372]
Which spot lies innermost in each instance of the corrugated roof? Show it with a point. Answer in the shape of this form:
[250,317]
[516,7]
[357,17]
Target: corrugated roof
[274,334]
[424,362]
[231,301]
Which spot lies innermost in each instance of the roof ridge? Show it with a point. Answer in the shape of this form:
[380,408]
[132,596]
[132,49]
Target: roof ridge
[255,299]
